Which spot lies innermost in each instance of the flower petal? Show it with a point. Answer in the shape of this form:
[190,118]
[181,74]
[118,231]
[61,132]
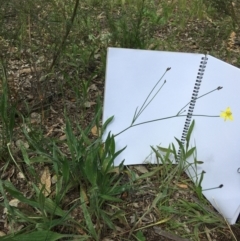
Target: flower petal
[227,114]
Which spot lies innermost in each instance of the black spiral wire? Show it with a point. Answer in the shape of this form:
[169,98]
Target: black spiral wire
[197,85]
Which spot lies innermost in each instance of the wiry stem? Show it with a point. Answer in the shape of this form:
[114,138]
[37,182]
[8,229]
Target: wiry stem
[218,88]
[144,105]
[165,118]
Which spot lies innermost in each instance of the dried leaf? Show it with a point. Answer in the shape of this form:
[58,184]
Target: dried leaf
[20,175]
[141,168]
[207,231]
[63,137]
[209,19]
[46,181]
[29,70]
[97,56]
[8,174]
[14,202]
[114,170]
[80,231]
[54,179]
[35,118]
[92,87]
[84,193]
[95,131]
[20,143]
[88,104]
[30,97]
[41,59]
[232,40]
[181,185]
[51,108]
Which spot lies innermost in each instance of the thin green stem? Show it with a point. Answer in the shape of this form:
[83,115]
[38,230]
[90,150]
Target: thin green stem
[143,105]
[165,118]
[218,88]
[139,113]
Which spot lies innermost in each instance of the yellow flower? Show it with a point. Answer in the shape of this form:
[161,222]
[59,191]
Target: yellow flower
[227,114]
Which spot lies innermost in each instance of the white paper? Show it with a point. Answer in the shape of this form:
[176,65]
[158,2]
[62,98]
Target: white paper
[131,75]
[217,141]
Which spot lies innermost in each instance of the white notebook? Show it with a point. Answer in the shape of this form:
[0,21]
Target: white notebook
[131,75]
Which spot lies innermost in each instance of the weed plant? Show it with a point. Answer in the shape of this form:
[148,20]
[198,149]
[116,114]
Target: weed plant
[64,44]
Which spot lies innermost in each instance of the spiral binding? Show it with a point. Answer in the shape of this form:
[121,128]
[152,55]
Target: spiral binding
[199,78]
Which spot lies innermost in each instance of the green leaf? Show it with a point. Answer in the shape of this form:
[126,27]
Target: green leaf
[148,174]
[107,143]
[166,158]
[5,199]
[110,198]
[49,205]
[91,168]
[181,147]
[71,139]
[163,149]
[174,151]
[199,191]
[39,159]
[84,136]
[189,133]
[106,123]
[158,155]
[65,170]
[112,146]
[107,219]
[87,216]
[139,236]
[37,236]
[41,200]
[190,152]
[111,162]
[201,178]
[158,198]
[105,164]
